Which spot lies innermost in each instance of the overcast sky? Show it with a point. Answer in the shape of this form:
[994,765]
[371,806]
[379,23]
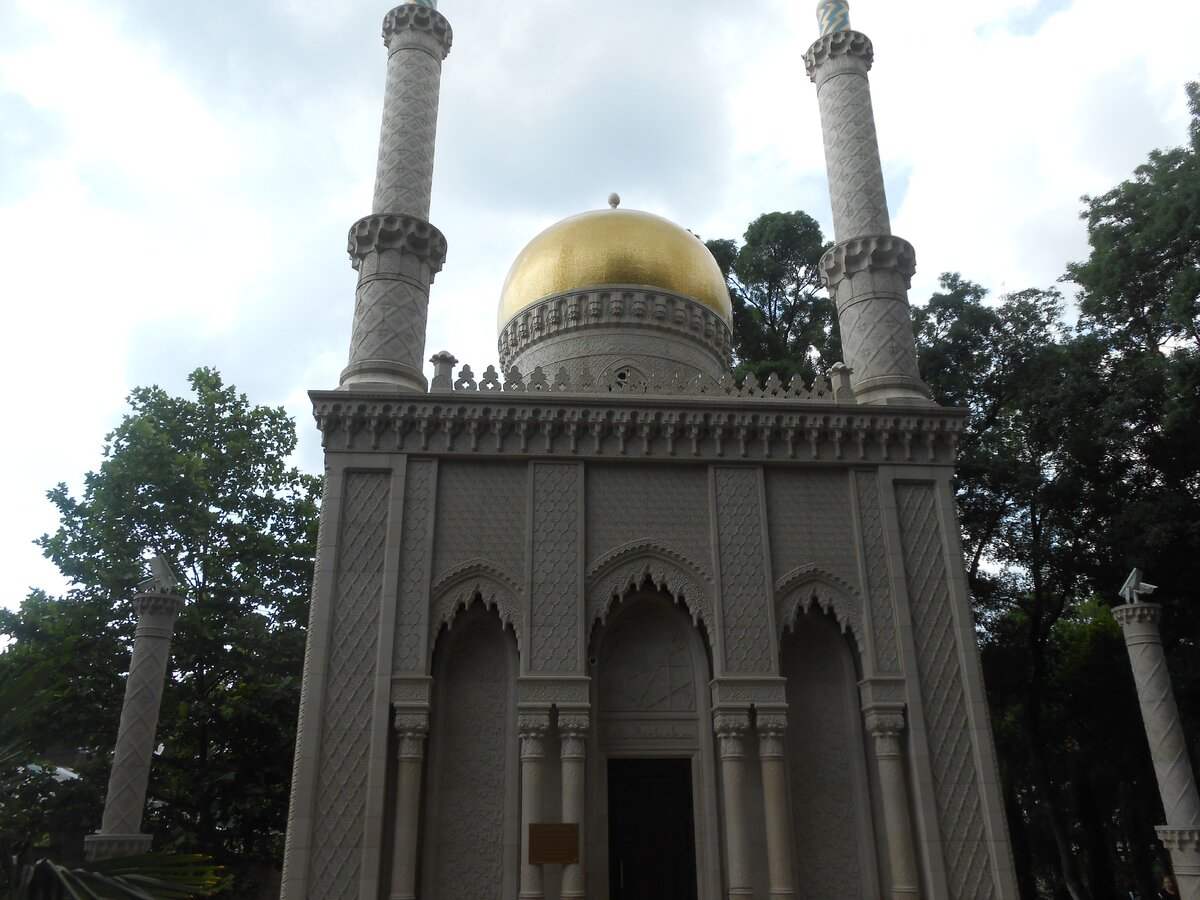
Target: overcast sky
[177,179]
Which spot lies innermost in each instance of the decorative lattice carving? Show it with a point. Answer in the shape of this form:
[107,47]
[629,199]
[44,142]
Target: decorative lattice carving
[556,590]
[419,487]
[879,591]
[878,340]
[821,714]
[809,516]
[389,327]
[809,586]
[481,516]
[353,639]
[464,813]
[631,566]
[744,582]
[952,758]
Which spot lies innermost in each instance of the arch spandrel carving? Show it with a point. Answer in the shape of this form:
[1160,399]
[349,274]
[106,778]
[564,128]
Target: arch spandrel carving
[631,566]
[806,586]
[476,579]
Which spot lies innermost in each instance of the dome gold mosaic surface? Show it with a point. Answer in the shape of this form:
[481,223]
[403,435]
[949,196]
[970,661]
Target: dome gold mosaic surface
[611,247]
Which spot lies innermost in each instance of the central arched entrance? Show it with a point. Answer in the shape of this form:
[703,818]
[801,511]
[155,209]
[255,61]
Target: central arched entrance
[653,820]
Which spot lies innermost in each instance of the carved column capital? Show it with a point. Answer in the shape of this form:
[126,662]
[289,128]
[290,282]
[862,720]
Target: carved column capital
[731,730]
[532,731]
[1137,614]
[847,47]
[870,253]
[417,27]
[572,733]
[400,232]
[412,728]
[771,731]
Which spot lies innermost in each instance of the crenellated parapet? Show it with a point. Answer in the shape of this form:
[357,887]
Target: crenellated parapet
[847,48]
[419,27]
[402,234]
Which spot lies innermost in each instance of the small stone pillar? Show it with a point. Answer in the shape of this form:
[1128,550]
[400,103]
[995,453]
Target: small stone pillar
[396,251]
[868,270]
[411,730]
[532,730]
[572,731]
[1168,748]
[771,729]
[885,727]
[731,729]
[120,829]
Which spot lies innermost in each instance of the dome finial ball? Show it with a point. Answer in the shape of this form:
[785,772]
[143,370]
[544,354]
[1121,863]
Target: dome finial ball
[614,200]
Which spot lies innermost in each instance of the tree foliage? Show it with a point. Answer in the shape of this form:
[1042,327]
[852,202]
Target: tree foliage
[204,480]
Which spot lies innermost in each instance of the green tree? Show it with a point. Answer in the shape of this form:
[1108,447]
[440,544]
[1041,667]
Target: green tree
[783,319]
[204,481]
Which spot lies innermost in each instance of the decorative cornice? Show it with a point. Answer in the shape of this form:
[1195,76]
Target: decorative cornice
[151,604]
[410,17]
[396,231]
[870,253]
[700,428]
[839,43]
[1185,839]
[620,305]
[1137,614]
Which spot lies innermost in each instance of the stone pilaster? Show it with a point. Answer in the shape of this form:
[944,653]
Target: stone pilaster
[732,730]
[532,730]
[1168,747]
[886,727]
[771,730]
[396,251]
[126,799]
[411,731]
[868,270]
[572,731]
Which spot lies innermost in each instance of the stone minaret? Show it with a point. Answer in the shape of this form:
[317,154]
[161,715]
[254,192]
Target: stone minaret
[396,251]
[869,270]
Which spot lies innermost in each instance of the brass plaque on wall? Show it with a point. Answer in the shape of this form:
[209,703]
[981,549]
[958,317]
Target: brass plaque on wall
[553,843]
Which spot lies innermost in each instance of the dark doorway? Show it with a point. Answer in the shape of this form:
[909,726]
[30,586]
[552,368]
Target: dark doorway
[651,836]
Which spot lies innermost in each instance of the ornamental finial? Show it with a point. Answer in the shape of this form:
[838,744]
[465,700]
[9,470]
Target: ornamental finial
[1134,587]
[833,15]
[614,200]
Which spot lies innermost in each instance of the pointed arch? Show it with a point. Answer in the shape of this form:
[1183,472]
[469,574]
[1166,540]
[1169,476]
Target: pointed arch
[476,579]
[806,586]
[628,567]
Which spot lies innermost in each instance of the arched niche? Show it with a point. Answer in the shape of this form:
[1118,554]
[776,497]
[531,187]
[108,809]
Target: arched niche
[470,829]
[830,789]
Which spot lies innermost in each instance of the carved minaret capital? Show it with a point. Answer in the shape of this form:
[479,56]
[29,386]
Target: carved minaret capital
[396,251]
[868,270]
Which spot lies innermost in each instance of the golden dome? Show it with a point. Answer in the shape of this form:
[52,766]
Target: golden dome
[610,247]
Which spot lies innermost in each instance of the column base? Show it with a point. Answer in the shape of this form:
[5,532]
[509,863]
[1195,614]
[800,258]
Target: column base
[382,375]
[109,846]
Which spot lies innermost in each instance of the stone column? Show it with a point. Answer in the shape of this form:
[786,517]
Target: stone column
[572,733]
[868,271]
[886,727]
[732,729]
[780,839]
[532,730]
[411,730]
[123,806]
[396,251]
[1168,747]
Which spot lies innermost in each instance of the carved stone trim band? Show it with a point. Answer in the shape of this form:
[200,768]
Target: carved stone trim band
[839,43]
[158,603]
[525,425]
[407,234]
[410,17]
[872,253]
[614,305]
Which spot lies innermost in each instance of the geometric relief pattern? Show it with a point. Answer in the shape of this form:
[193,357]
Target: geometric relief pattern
[481,515]
[879,335]
[955,780]
[668,504]
[749,644]
[406,140]
[556,591]
[341,782]
[808,512]
[414,555]
[821,716]
[852,157]
[646,665]
[389,322]
[879,594]
[464,813]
